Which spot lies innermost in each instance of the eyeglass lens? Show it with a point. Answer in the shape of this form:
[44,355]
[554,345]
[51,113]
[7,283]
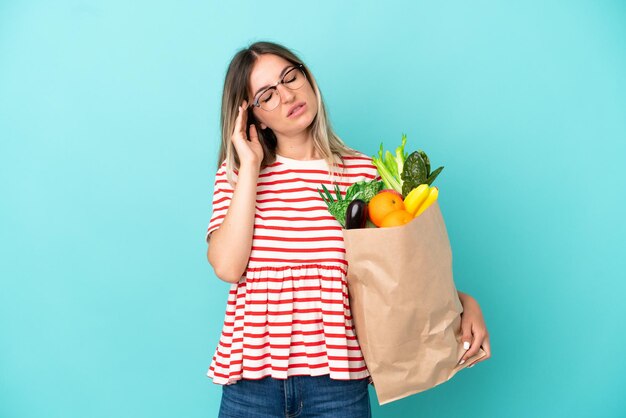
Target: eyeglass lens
[293,79]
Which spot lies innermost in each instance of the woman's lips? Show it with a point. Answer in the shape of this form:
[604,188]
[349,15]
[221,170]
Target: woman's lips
[298,111]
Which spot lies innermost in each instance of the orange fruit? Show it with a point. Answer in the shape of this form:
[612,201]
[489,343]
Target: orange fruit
[382,204]
[396,218]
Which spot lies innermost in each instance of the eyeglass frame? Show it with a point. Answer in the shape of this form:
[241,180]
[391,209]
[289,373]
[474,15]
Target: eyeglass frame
[281,81]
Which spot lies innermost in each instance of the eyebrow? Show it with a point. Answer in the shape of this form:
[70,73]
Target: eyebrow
[282,73]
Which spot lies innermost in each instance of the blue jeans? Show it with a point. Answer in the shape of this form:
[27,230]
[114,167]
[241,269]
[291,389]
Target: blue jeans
[297,396]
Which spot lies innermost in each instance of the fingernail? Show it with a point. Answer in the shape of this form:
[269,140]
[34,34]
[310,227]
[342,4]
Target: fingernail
[466,345]
[462,361]
[471,366]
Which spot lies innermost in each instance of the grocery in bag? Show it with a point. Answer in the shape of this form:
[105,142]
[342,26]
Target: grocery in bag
[405,306]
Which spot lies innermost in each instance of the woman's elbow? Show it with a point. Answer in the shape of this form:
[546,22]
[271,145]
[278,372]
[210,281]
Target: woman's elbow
[229,278]
[226,273]
[226,266]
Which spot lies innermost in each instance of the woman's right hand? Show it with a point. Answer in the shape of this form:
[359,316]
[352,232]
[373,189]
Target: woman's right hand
[249,150]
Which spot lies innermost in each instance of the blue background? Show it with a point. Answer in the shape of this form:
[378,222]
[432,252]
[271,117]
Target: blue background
[109,130]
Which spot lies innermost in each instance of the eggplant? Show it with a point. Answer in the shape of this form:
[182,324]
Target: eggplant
[356,214]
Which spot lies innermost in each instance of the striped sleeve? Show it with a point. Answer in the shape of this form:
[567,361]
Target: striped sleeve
[222,195]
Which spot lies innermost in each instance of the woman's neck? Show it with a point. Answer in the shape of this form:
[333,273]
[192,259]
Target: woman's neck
[301,148]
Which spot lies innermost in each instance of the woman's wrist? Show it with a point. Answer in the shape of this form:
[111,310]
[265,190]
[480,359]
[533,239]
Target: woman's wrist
[249,168]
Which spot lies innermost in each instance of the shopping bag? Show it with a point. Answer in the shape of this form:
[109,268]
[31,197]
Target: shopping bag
[405,307]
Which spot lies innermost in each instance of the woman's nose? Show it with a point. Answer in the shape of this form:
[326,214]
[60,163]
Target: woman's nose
[286,95]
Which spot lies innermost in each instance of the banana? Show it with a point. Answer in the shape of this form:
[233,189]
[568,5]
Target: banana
[432,196]
[415,198]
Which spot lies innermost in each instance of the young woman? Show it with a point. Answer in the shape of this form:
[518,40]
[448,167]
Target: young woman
[288,347]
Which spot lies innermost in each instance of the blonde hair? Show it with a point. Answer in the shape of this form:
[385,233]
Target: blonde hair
[326,142]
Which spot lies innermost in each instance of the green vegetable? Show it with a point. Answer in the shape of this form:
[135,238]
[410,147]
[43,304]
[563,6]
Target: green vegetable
[389,167]
[430,177]
[426,160]
[417,171]
[338,205]
[414,173]
[364,189]
[433,176]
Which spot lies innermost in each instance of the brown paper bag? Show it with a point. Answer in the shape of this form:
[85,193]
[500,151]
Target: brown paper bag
[405,307]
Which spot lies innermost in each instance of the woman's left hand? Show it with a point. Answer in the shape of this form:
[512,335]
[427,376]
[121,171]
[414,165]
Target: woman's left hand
[473,329]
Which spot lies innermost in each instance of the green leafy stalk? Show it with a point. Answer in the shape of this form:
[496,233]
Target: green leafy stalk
[327,198]
[401,157]
[390,163]
[338,192]
[386,174]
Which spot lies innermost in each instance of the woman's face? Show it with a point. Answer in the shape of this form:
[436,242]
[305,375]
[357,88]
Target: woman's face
[267,71]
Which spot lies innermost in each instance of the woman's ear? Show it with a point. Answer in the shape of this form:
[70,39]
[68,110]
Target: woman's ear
[263,126]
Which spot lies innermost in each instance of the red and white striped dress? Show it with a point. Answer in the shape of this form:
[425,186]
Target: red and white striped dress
[290,314]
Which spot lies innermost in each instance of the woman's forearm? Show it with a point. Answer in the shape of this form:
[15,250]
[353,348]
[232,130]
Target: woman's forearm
[230,245]
[467,301]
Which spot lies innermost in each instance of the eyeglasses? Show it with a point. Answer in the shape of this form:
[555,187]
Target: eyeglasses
[269,98]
